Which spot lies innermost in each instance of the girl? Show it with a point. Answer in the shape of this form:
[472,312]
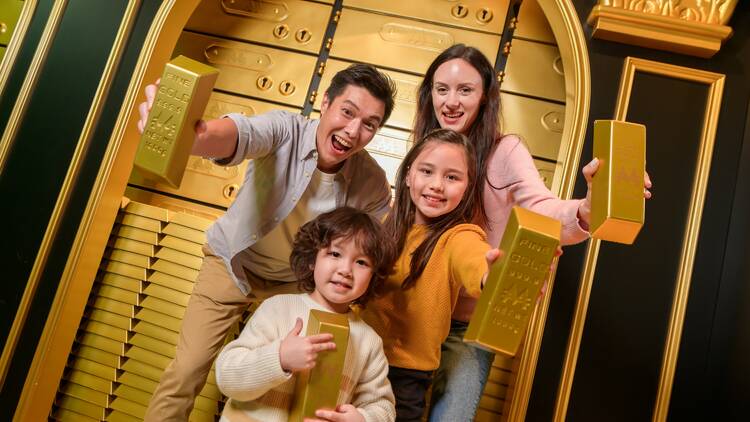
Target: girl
[439,252]
[460,91]
[340,258]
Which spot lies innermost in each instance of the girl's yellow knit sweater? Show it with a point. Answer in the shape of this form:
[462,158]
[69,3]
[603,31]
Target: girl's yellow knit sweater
[414,322]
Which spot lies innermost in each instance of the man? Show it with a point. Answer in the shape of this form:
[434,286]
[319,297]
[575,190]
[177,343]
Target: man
[299,169]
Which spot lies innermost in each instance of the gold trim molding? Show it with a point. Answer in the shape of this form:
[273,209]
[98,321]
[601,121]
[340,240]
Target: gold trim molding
[22,26]
[692,27]
[715,84]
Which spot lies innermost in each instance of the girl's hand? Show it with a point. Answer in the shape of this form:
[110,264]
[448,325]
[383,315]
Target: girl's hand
[298,353]
[589,170]
[343,413]
[492,255]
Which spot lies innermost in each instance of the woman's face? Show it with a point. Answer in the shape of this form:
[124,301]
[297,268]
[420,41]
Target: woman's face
[457,94]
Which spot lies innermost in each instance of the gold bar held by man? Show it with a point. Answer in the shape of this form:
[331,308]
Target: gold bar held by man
[318,388]
[617,203]
[514,281]
[170,130]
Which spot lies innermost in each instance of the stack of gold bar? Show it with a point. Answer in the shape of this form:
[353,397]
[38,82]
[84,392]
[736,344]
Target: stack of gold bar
[131,325]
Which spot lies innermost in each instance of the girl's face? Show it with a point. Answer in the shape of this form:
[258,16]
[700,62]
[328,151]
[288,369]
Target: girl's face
[437,180]
[457,94]
[342,274]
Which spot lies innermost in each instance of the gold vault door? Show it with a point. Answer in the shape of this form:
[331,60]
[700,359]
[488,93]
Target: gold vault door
[275,54]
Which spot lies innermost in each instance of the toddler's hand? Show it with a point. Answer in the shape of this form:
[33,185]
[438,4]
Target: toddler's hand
[298,353]
[343,413]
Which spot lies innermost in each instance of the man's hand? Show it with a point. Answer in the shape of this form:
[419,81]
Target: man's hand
[298,353]
[343,413]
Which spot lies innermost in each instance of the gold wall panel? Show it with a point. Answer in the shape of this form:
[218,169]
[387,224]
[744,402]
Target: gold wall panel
[400,43]
[482,15]
[10,11]
[404,109]
[203,180]
[295,24]
[535,69]
[252,70]
[538,123]
[547,171]
[532,24]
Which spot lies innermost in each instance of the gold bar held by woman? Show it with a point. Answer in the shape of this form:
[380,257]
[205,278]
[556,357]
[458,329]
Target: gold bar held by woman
[502,314]
[169,133]
[318,388]
[617,203]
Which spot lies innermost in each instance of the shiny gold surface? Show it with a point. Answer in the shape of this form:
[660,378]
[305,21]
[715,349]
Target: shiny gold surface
[481,15]
[319,387]
[138,382]
[157,332]
[143,369]
[513,284]
[114,306]
[65,415]
[617,205]
[538,123]
[140,222]
[131,258]
[190,221]
[153,345]
[117,416]
[364,37]
[713,12]
[167,294]
[547,171]
[173,204]
[170,130]
[132,246]
[185,233]
[97,355]
[80,406]
[102,343]
[532,25]
[124,269]
[110,318]
[106,330]
[160,305]
[95,368]
[145,210]
[129,407]
[176,270]
[10,12]
[86,394]
[250,69]
[295,24]
[133,394]
[172,282]
[90,381]
[126,283]
[135,233]
[182,258]
[535,69]
[143,355]
[159,319]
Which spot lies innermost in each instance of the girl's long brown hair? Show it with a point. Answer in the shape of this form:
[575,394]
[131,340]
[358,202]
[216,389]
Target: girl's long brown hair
[485,130]
[401,218]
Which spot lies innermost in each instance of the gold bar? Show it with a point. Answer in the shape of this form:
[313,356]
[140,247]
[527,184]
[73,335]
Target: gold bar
[162,306]
[86,394]
[97,355]
[618,208]
[65,415]
[186,233]
[138,382]
[145,210]
[178,298]
[122,268]
[94,368]
[143,355]
[210,390]
[117,294]
[110,318]
[152,344]
[79,406]
[160,319]
[132,246]
[207,405]
[319,387]
[135,233]
[157,332]
[133,394]
[170,131]
[90,381]
[142,369]
[182,245]
[114,306]
[131,258]
[117,416]
[106,330]
[121,282]
[172,282]
[182,258]
[191,221]
[102,343]
[502,314]
[176,270]
[198,415]
[140,222]
[129,407]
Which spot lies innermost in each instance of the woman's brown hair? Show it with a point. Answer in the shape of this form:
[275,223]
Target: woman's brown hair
[343,223]
[401,218]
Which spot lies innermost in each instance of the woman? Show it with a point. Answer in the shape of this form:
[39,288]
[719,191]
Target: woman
[460,92]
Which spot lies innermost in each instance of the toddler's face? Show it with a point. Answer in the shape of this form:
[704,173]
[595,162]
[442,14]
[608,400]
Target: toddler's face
[342,274]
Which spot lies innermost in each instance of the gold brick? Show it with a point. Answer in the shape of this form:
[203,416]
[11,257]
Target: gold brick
[65,415]
[129,407]
[131,245]
[121,282]
[80,406]
[191,221]
[110,318]
[140,222]
[133,394]
[135,233]
[176,270]
[319,387]
[143,355]
[207,405]
[97,355]
[154,345]
[101,343]
[170,131]
[86,394]
[114,306]
[117,294]
[157,332]
[618,208]
[105,330]
[182,258]
[138,382]
[185,233]
[503,310]
[90,381]
[172,282]
[178,298]
[94,368]
[160,319]
[143,369]
[145,210]
[117,416]
[182,245]
[161,305]
[122,268]
[130,258]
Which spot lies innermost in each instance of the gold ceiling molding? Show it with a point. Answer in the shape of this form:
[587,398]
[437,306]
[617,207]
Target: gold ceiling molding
[692,27]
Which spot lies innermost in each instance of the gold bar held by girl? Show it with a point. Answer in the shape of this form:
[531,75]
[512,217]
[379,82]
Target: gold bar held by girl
[503,310]
[318,388]
[617,203]
[169,133]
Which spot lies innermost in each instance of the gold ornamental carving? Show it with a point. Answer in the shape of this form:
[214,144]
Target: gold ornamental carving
[693,27]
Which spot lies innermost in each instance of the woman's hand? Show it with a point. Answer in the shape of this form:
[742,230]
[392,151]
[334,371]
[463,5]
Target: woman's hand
[343,413]
[298,353]
[589,170]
